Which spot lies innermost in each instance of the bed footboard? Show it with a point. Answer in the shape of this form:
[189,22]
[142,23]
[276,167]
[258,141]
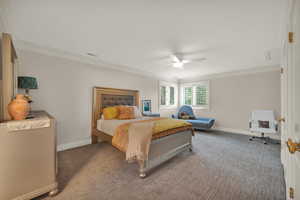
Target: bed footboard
[166,148]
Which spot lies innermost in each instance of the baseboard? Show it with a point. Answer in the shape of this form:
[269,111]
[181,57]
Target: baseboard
[245,132]
[87,141]
[72,145]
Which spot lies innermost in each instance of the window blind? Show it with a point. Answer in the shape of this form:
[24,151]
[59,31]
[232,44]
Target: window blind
[163,95]
[196,94]
[188,95]
[172,95]
[168,95]
[201,95]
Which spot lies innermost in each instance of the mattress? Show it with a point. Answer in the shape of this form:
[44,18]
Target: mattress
[109,126]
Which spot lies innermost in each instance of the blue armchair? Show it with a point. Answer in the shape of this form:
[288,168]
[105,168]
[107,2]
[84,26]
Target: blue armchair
[197,123]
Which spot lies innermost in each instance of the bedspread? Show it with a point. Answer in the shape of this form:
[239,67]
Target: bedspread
[162,127]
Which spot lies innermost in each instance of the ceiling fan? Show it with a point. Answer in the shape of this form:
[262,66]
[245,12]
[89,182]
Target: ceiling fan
[179,62]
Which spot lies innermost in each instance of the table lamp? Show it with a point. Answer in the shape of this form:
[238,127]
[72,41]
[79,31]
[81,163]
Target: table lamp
[27,83]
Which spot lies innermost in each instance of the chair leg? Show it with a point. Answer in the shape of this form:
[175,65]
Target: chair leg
[94,139]
[263,138]
[252,138]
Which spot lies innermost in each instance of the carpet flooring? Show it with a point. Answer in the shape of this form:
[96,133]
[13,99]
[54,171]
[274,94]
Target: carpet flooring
[223,166]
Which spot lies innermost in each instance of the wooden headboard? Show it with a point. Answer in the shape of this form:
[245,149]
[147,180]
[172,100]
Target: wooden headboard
[105,97]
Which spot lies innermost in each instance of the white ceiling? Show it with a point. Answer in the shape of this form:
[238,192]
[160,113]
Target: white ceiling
[141,35]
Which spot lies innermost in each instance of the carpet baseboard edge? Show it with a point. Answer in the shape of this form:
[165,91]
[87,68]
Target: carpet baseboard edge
[245,132]
[87,141]
[71,145]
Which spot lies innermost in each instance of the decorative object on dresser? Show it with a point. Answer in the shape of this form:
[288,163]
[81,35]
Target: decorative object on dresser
[27,83]
[18,108]
[28,157]
[146,106]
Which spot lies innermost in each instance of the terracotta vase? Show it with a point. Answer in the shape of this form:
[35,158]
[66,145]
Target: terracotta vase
[18,108]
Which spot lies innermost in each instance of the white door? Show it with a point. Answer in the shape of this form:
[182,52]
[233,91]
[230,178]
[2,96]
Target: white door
[291,102]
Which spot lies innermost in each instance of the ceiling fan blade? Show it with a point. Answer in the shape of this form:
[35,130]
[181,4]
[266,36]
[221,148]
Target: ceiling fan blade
[185,61]
[199,60]
[175,58]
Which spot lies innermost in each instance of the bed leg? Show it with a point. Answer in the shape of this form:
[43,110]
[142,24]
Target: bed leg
[53,192]
[142,169]
[94,139]
[143,175]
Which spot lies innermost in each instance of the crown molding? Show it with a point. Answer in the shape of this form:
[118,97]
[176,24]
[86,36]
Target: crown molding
[22,45]
[96,62]
[252,70]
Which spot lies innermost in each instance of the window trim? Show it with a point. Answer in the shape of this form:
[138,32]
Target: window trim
[195,84]
[168,85]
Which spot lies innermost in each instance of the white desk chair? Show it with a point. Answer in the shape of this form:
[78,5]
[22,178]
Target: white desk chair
[263,121]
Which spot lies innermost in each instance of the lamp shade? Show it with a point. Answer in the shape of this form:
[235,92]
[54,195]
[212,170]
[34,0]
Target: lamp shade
[26,82]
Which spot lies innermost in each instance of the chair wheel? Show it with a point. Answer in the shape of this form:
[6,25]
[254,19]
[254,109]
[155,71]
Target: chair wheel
[250,139]
[265,143]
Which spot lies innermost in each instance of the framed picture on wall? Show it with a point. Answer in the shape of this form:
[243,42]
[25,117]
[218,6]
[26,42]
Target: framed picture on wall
[146,105]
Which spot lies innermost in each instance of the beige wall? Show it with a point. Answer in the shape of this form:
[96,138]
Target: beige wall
[232,98]
[65,91]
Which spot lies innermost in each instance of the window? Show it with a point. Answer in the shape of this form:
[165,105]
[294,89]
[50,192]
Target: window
[163,95]
[196,94]
[201,95]
[172,95]
[168,94]
[188,95]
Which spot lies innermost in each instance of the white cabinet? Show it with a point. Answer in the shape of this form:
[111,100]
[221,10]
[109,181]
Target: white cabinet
[28,159]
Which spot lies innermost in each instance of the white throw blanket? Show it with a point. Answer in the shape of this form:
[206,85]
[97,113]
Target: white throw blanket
[140,135]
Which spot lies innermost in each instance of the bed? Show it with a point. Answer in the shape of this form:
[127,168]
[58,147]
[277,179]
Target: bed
[161,148]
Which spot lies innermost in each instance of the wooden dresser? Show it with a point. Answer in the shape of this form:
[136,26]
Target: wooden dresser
[28,157]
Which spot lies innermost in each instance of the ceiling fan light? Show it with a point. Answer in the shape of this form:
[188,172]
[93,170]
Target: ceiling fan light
[178,65]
